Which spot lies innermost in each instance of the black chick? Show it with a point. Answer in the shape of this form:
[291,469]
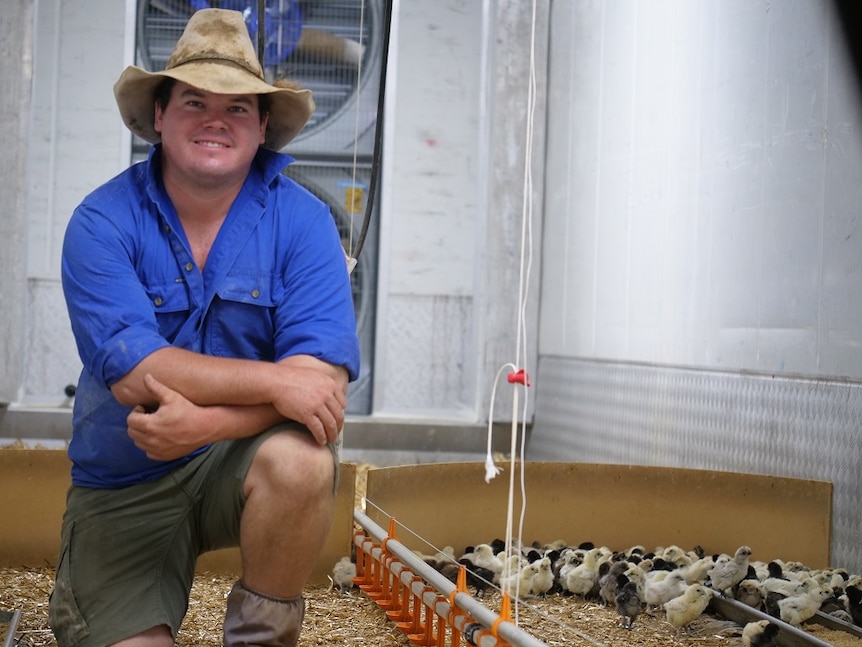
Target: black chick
[770,603]
[498,546]
[611,582]
[534,555]
[661,564]
[628,604]
[762,633]
[854,604]
[775,570]
[479,577]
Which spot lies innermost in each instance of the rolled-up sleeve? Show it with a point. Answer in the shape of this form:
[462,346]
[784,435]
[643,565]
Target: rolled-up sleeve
[316,316]
[112,316]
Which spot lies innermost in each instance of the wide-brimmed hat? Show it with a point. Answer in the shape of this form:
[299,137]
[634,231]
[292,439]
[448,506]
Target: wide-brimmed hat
[214,54]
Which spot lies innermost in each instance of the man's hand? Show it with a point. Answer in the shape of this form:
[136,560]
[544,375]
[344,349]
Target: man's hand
[315,399]
[173,430]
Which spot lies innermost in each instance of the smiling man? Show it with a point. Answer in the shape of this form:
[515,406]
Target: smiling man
[210,302]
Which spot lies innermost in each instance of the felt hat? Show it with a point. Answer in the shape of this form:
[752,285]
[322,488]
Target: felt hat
[214,54]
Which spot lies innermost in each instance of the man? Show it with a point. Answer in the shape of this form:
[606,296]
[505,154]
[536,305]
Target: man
[211,307]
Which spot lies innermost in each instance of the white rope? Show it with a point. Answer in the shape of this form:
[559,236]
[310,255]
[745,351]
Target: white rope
[521,346]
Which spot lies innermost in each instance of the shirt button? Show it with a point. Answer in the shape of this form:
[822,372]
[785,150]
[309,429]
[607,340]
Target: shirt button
[189,267]
[255,293]
[158,301]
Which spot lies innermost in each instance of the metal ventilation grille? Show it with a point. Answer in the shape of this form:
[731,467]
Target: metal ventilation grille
[321,45]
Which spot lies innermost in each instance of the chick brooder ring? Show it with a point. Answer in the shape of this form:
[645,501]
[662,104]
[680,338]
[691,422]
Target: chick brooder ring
[427,607]
[612,505]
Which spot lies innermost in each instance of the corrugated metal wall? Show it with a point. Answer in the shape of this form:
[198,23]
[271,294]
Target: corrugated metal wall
[614,412]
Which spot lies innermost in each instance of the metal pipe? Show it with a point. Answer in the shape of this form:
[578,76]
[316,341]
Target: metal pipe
[464,601]
[742,614]
[13,628]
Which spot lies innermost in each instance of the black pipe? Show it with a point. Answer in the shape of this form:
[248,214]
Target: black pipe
[261,33]
[378,134]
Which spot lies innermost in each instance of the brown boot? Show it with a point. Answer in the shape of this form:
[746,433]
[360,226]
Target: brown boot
[258,620]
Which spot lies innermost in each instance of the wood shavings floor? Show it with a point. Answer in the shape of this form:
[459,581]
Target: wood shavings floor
[333,618]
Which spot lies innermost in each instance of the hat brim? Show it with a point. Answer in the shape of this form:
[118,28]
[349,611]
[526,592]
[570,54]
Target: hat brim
[290,108]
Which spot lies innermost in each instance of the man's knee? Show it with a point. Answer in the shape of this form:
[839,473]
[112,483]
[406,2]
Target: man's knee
[291,462]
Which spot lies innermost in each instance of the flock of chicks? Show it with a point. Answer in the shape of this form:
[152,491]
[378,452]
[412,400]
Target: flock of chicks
[671,580]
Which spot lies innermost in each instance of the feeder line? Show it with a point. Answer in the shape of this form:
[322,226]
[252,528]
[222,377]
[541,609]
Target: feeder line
[517,603]
[15,616]
[464,601]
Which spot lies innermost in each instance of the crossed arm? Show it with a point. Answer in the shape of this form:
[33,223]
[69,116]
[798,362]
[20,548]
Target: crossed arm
[184,400]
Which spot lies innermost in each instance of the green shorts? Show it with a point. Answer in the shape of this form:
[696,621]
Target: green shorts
[127,556]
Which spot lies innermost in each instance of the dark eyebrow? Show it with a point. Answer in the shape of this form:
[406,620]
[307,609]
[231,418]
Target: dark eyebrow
[194,92]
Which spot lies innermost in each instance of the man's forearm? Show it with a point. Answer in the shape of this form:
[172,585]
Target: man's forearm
[203,379]
[229,422]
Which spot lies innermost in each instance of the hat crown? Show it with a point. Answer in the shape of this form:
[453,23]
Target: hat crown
[216,35]
[214,54]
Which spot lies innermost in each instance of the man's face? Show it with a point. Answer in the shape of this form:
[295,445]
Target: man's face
[209,138]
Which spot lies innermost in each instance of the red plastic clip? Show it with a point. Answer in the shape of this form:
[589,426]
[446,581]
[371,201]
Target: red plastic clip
[521,377]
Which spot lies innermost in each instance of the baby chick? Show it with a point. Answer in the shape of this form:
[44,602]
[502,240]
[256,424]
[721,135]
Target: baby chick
[854,603]
[796,609]
[686,608]
[543,579]
[761,633]
[728,573]
[628,604]
[478,577]
[343,573]
[609,582]
[484,556]
[749,593]
[657,590]
[697,570]
[677,556]
[516,583]
[581,579]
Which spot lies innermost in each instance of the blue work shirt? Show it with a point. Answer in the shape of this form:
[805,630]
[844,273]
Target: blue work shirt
[275,284]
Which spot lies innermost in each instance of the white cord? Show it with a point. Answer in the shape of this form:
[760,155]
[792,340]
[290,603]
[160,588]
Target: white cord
[491,470]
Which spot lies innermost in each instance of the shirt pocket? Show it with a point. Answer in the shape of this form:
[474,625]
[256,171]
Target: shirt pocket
[171,305]
[243,313]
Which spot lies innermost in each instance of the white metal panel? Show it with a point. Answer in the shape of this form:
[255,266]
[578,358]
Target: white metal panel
[435,149]
[702,170]
[76,126]
[52,357]
[16,70]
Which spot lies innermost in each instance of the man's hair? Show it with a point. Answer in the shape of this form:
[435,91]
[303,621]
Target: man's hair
[163,94]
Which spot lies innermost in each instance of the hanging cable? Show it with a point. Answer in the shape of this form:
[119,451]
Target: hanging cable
[261,33]
[378,135]
[352,258]
[520,376]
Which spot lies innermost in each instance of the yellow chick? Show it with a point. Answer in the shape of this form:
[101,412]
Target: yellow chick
[686,608]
